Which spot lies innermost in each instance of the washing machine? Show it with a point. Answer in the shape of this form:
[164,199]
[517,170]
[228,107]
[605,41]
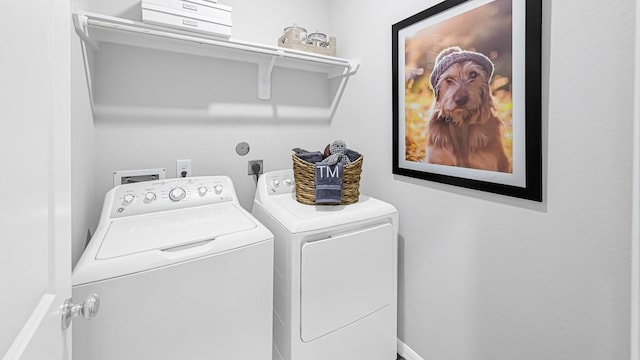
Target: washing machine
[335,275]
[182,272]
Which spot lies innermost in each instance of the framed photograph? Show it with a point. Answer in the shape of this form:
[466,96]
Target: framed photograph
[467,96]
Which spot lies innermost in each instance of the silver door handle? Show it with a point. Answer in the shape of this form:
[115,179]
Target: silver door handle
[88,309]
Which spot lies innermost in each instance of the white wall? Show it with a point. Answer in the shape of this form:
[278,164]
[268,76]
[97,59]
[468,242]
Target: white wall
[129,82]
[485,277]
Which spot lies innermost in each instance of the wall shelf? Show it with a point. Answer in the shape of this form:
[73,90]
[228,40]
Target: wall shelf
[95,29]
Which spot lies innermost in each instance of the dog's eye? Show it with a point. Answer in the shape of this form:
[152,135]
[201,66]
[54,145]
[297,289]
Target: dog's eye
[449,80]
[473,74]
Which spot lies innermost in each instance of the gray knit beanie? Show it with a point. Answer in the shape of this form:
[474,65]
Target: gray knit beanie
[454,54]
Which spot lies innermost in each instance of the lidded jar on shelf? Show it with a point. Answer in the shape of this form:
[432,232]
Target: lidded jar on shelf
[301,30]
[317,39]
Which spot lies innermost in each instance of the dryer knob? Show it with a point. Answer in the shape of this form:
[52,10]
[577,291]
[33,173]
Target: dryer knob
[202,191]
[177,194]
[128,199]
[275,182]
[288,181]
[218,189]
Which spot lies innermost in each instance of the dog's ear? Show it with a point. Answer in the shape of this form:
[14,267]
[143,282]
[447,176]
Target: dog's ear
[436,90]
[487,109]
[438,129]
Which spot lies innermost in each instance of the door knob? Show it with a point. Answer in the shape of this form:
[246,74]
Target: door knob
[88,309]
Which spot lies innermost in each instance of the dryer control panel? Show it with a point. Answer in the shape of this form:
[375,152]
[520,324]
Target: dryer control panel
[169,194]
[279,182]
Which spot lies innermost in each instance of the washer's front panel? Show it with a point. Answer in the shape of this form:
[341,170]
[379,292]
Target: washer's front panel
[345,278]
[217,307]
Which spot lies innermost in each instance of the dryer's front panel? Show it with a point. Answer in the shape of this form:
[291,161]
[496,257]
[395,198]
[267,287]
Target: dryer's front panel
[345,278]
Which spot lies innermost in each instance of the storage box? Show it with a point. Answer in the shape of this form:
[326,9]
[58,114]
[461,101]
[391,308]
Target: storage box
[214,12]
[291,40]
[180,19]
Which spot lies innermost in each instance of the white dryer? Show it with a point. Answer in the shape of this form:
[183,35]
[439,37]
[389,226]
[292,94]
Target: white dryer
[335,275]
[182,271]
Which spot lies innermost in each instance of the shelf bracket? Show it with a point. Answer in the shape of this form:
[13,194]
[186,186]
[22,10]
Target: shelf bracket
[351,70]
[264,78]
[265,68]
[80,23]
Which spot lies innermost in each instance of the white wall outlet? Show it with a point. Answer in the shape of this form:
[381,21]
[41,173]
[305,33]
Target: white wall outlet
[183,168]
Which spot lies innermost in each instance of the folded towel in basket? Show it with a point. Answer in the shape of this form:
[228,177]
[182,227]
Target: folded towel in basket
[328,183]
[352,155]
[308,156]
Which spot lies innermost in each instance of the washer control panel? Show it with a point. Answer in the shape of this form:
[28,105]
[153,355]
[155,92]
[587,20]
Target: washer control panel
[279,183]
[169,194]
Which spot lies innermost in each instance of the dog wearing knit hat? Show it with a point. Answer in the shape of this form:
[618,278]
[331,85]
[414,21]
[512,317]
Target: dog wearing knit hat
[463,129]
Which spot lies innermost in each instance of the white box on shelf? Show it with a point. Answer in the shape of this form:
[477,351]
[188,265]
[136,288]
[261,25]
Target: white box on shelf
[214,12]
[158,15]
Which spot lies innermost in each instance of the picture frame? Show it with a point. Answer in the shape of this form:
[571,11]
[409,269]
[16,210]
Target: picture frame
[467,96]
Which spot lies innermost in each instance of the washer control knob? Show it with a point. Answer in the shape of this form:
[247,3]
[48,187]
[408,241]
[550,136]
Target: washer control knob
[275,182]
[202,191]
[149,197]
[218,189]
[288,181]
[177,194]
[128,199]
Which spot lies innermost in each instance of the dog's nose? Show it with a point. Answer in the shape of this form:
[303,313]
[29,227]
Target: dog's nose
[461,100]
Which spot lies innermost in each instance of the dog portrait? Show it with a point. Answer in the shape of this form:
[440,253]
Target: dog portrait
[466,95]
[463,129]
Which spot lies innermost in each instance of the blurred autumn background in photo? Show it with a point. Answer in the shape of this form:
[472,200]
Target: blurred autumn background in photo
[486,29]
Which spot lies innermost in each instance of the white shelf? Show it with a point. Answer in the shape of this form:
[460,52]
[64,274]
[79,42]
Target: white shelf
[95,29]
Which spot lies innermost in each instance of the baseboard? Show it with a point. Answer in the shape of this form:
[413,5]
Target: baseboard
[406,352]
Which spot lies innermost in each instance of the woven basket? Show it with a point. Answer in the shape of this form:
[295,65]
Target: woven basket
[305,177]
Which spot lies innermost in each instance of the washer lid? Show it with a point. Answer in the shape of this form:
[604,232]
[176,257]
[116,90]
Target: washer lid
[297,217]
[171,229]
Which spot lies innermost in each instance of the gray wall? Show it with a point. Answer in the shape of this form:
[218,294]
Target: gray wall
[485,277]
[482,277]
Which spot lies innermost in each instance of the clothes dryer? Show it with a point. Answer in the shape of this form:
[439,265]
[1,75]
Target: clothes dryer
[335,274]
[182,271]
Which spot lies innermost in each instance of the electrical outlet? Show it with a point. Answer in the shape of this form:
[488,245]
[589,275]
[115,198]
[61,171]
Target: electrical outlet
[183,168]
[252,164]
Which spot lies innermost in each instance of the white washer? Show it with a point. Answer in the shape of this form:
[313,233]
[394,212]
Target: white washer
[182,271]
[335,275]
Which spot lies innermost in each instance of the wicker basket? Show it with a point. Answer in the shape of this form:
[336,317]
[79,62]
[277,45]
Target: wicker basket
[305,176]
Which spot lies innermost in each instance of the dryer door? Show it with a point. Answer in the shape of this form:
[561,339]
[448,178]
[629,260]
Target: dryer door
[344,278]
